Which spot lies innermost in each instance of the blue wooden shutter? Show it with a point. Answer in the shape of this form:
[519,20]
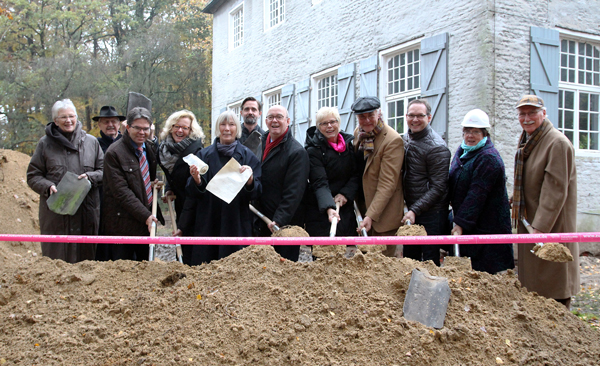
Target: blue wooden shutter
[434,80]
[222,110]
[544,72]
[346,92]
[303,110]
[368,77]
[287,101]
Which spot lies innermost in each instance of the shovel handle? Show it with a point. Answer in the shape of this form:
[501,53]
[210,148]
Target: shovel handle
[155,187]
[359,219]
[263,217]
[334,221]
[178,250]
[527,225]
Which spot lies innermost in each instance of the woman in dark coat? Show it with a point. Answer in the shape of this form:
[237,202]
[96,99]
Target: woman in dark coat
[67,148]
[334,177]
[181,136]
[205,214]
[478,195]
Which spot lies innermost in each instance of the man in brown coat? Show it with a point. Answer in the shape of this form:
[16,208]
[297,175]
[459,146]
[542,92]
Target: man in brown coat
[129,167]
[382,149]
[545,193]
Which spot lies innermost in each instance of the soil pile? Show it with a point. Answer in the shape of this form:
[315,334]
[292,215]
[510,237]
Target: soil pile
[553,252]
[411,230]
[255,308]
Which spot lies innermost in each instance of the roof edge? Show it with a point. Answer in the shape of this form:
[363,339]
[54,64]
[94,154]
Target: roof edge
[212,7]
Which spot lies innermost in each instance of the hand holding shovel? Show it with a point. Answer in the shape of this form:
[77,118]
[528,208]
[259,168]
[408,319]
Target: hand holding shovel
[264,218]
[359,219]
[334,220]
[170,199]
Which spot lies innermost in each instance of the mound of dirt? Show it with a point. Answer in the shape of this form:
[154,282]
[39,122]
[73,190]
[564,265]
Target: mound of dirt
[255,308]
[19,205]
[553,252]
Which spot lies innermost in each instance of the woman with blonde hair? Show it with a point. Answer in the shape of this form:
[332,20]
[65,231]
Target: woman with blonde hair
[181,136]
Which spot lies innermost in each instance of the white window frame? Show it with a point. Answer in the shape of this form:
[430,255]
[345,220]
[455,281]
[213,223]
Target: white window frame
[576,88]
[232,26]
[315,2]
[267,14]
[384,57]
[314,86]
[267,98]
[236,107]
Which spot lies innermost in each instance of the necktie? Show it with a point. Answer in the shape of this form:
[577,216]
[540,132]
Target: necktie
[145,173]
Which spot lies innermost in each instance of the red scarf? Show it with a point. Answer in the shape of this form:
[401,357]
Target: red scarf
[270,145]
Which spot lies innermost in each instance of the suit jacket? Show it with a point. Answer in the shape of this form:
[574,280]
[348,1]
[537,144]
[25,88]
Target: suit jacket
[382,180]
[550,191]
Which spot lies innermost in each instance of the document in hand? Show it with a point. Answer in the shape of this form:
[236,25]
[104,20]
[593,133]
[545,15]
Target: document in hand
[228,182]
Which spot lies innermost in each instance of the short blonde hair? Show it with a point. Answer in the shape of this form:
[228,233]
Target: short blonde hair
[328,112]
[225,117]
[195,129]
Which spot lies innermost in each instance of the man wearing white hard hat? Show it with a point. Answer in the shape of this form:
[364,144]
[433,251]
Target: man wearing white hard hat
[478,195]
[425,179]
[545,193]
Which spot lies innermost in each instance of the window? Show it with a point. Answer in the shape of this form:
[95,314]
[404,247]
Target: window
[579,93]
[271,97]
[324,91]
[275,13]
[236,108]
[400,83]
[236,23]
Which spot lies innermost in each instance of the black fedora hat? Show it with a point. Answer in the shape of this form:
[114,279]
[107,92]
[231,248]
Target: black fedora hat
[108,111]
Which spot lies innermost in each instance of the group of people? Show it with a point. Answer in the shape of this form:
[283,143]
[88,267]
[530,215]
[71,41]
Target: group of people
[395,180]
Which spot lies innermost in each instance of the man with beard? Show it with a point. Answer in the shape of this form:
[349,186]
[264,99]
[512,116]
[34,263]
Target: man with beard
[251,112]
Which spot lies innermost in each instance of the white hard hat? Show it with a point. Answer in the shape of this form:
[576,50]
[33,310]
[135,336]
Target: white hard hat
[476,118]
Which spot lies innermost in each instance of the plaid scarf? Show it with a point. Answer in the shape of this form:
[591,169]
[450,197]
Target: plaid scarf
[366,140]
[526,146]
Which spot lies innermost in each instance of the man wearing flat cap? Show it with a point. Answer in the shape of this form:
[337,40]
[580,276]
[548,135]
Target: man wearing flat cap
[382,150]
[545,194]
[108,121]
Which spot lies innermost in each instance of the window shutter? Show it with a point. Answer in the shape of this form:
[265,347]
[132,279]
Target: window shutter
[302,121]
[544,72]
[368,77]
[287,101]
[434,80]
[222,110]
[346,92]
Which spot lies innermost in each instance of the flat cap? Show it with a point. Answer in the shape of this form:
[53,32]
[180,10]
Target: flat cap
[532,100]
[365,105]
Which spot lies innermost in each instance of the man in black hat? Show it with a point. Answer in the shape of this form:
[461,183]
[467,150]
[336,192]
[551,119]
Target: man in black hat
[108,122]
[382,149]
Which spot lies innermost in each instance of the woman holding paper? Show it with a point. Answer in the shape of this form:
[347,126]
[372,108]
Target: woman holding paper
[206,211]
[67,148]
[181,136]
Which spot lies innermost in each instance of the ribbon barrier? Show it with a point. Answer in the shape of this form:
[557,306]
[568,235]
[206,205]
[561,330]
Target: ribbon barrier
[371,240]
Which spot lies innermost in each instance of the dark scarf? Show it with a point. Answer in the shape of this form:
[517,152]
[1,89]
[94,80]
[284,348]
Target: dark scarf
[366,141]
[65,139]
[526,146]
[226,150]
[170,151]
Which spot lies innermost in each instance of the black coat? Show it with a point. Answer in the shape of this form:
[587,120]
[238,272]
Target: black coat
[205,214]
[106,141]
[177,179]
[331,173]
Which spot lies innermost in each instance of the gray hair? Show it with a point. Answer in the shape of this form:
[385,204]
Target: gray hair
[225,116]
[195,129]
[138,112]
[62,104]
[420,101]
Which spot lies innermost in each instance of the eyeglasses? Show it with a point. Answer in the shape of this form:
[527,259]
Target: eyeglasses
[279,117]
[473,132]
[64,118]
[138,129]
[529,114]
[417,116]
[330,123]
[184,129]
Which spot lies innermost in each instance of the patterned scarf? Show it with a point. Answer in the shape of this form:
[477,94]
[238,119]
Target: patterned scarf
[526,146]
[366,140]
[170,151]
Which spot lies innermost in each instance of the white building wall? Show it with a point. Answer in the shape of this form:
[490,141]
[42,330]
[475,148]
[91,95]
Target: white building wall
[489,45]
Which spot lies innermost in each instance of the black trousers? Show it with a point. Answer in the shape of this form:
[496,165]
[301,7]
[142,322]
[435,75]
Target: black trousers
[435,223]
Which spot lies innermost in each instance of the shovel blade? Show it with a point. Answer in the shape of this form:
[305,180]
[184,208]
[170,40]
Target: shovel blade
[253,142]
[427,299]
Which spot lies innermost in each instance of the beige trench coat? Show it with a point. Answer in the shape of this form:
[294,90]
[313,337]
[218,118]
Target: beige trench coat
[382,181]
[550,191]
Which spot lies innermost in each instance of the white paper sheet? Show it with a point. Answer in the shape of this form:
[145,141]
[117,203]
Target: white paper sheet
[192,159]
[228,182]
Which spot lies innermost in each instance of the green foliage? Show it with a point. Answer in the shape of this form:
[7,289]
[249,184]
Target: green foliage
[94,52]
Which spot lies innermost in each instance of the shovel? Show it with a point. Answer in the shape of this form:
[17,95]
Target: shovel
[552,252]
[359,219]
[427,299]
[263,217]
[334,221]
[174,224]
[253,143]
[155,187]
